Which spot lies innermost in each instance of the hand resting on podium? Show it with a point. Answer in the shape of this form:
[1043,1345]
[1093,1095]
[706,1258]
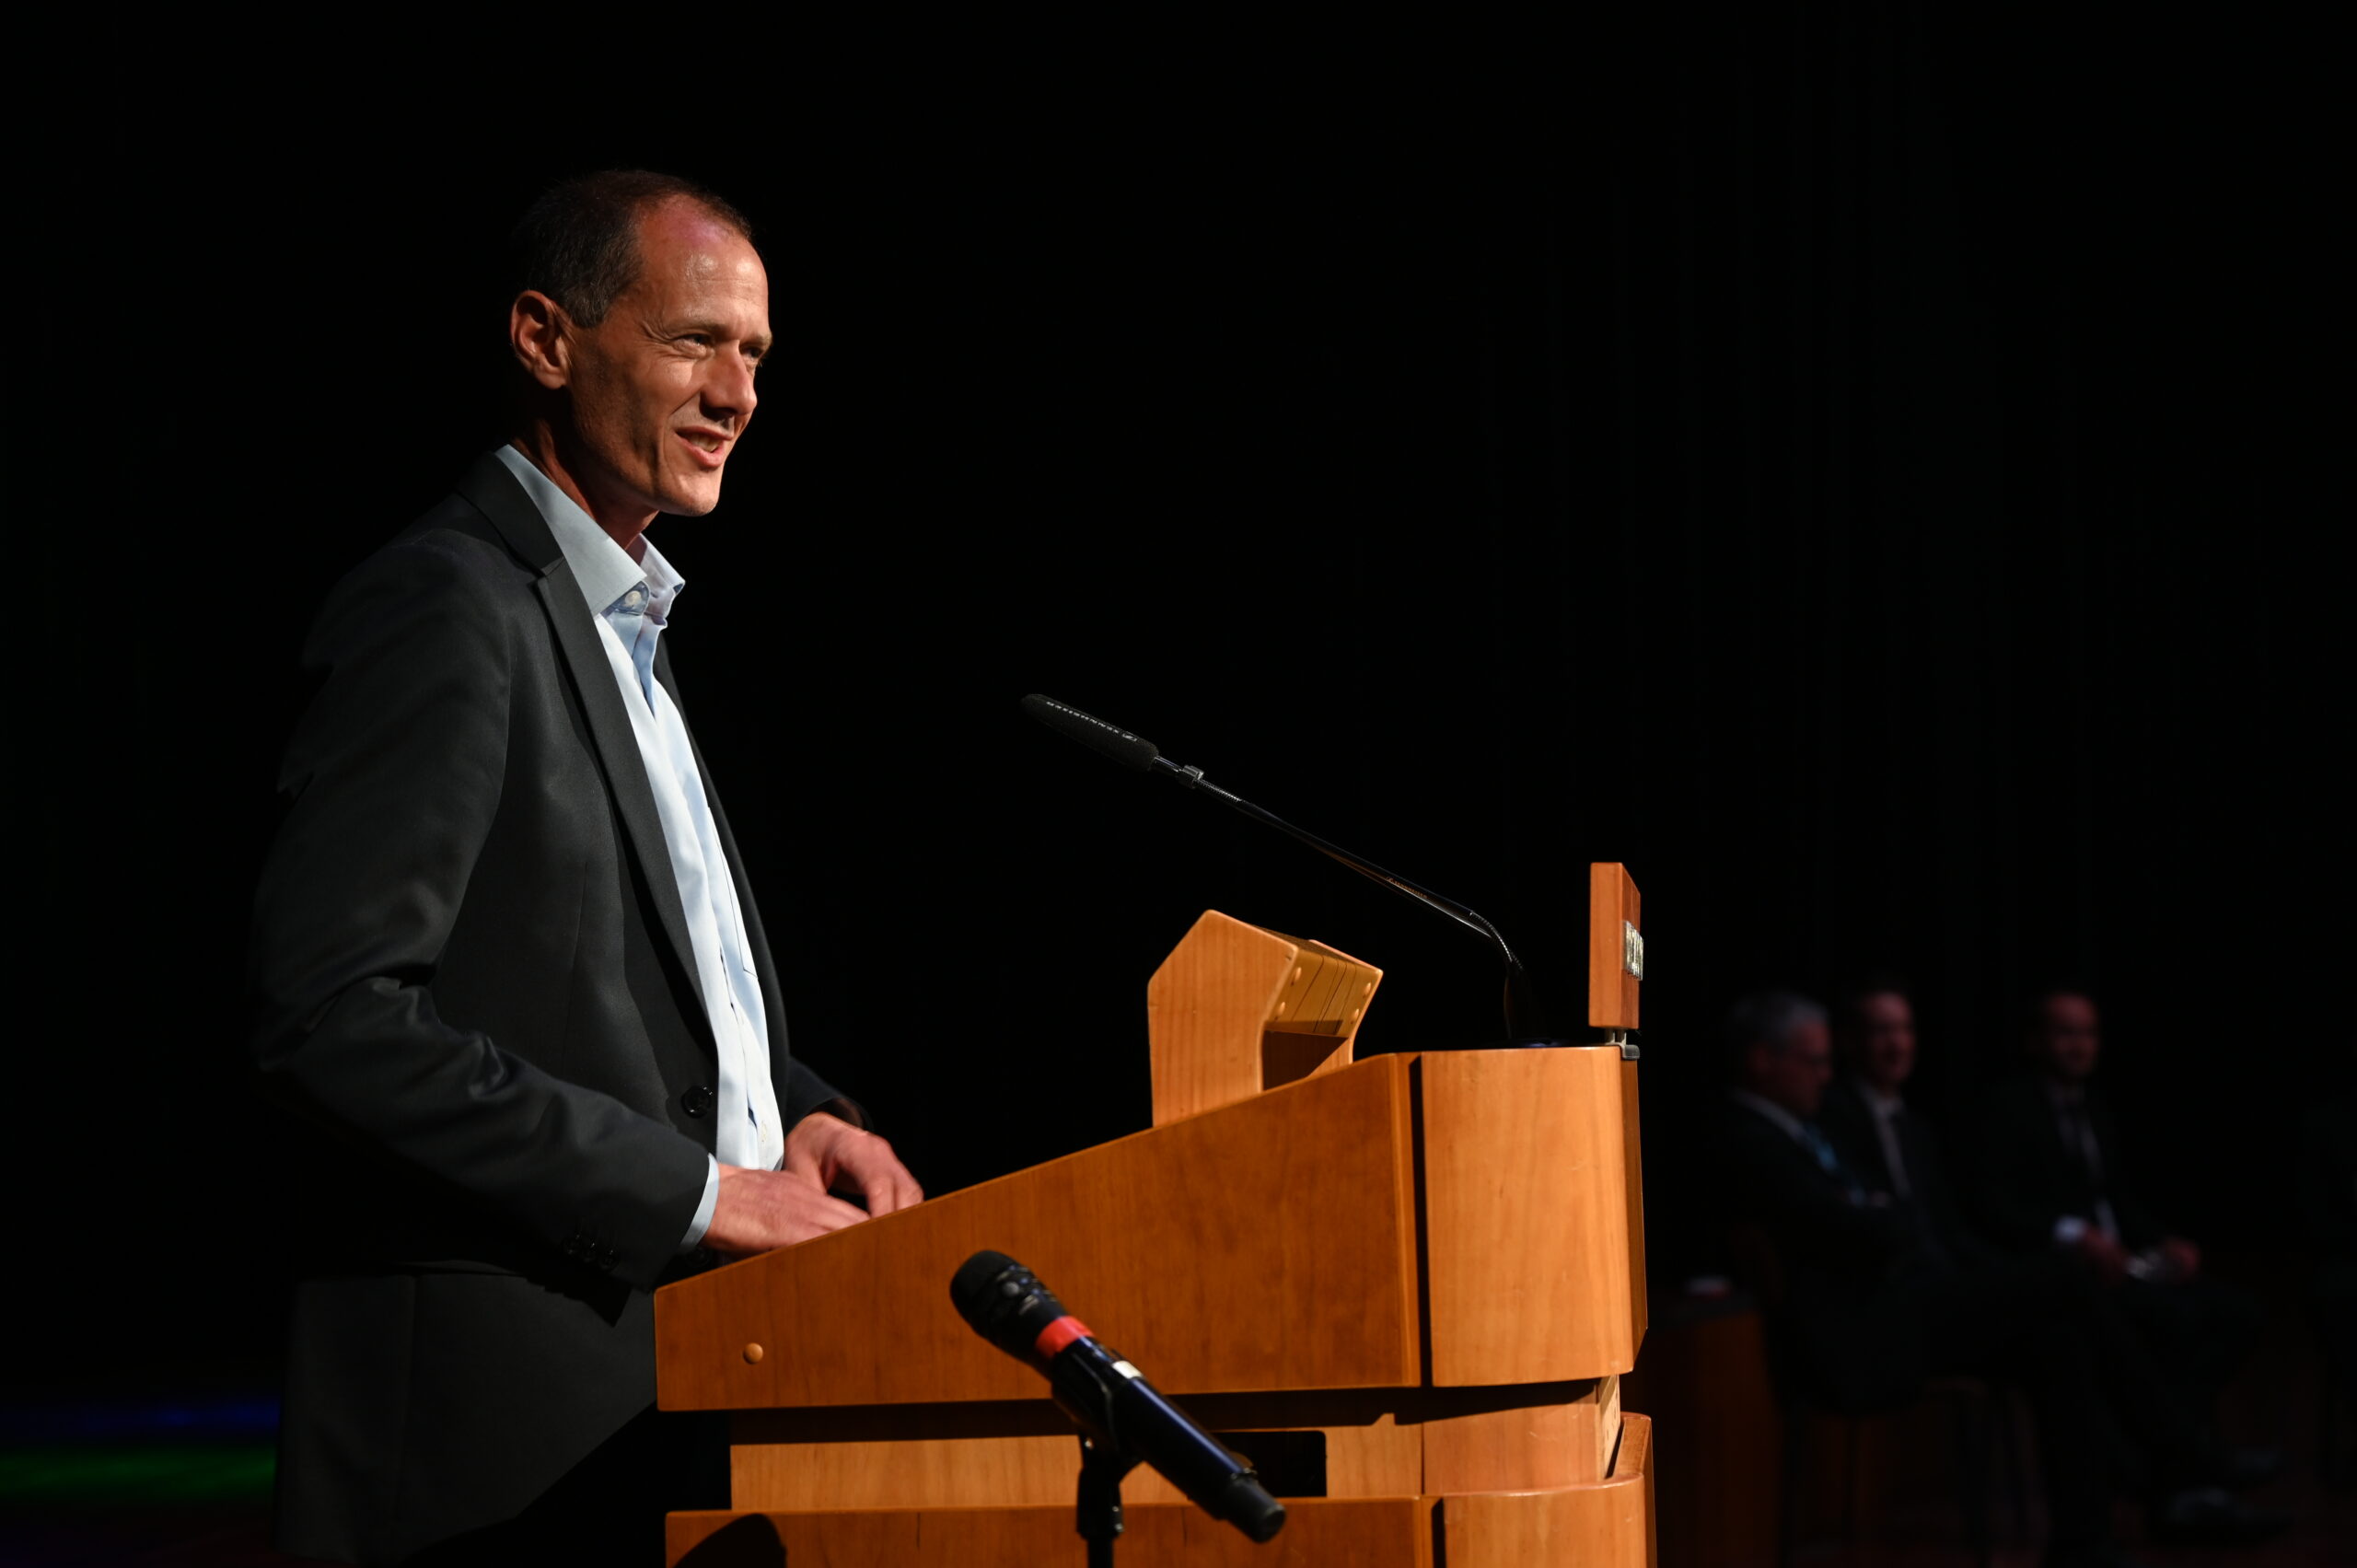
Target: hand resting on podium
[758,1210]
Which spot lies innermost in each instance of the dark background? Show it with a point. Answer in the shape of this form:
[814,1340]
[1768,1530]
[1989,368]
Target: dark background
[1862,470]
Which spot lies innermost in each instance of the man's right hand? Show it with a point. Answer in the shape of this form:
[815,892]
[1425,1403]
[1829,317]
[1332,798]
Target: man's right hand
[758,1210]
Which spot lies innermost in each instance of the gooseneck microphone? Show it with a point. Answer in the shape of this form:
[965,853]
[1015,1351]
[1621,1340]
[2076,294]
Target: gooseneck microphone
[1005,1302]
[1524,1021]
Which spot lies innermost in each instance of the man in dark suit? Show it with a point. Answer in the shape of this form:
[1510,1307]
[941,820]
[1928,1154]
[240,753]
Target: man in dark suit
[508,965]
[2054,1177]
[1895,1152]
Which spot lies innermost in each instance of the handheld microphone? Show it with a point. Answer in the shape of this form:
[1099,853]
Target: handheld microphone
[1005,1302]
[1523,1022]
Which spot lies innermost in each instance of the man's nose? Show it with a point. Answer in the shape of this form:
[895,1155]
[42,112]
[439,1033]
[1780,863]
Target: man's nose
[729,391]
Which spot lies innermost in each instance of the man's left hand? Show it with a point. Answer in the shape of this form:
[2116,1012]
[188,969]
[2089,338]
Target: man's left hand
[830,1152]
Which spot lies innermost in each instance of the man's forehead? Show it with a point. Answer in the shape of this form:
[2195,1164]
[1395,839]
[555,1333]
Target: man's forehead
[681,242]
[2069,1010]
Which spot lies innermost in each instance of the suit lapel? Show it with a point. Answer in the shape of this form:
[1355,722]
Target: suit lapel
[1877,1173]
[1909,1133]
[495,492]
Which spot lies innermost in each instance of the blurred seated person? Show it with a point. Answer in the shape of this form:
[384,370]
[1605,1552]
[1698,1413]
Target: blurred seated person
[1897,1155]
[1859,1310]
[2053,1175]
[1873,1291]
[1893,1150]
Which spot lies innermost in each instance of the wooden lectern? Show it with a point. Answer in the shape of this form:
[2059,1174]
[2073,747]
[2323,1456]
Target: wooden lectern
[1406,1288]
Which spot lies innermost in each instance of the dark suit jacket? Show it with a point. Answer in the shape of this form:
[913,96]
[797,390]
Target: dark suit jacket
[2026,1178]
[1932,1202]
[1840,1306]
[472,969]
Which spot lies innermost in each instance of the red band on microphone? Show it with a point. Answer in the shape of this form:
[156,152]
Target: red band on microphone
[1060,1333]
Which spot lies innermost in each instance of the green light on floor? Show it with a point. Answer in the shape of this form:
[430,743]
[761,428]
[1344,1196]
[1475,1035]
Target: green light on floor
[149,1473]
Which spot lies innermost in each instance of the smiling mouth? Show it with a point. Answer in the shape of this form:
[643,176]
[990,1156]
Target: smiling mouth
[704,440]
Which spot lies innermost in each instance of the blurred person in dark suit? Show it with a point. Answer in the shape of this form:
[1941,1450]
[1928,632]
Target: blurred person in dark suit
[1875,1289]
[1859,1309]
[2160,1442]
[2054,1174]
[1893,1149]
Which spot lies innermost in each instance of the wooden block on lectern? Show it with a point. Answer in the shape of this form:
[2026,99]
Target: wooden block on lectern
[1533,1197]
[1236,1009]
[1615,947]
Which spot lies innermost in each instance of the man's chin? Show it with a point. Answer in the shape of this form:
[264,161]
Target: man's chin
[691,503]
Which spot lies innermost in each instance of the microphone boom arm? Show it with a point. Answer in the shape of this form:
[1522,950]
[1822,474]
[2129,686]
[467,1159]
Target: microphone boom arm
[1523,1020]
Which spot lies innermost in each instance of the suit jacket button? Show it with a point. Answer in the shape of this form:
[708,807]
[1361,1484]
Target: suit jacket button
[697,1101]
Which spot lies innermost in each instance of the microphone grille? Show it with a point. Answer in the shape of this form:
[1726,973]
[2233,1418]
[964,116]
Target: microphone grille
[1004,1302]
[1130,751]
[969,1287]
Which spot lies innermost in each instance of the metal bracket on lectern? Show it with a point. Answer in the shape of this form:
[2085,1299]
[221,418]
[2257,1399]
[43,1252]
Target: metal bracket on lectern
[1620,1037]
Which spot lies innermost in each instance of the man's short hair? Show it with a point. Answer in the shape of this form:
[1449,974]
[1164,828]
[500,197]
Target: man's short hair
[578,244]
[1849,1006]
[1767,1017]
[2034,1010]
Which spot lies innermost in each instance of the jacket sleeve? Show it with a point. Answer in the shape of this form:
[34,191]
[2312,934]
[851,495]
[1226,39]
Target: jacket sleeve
[393,781]
[804,1092]
[2140,1226]
[2017,1208]
[1804,1212]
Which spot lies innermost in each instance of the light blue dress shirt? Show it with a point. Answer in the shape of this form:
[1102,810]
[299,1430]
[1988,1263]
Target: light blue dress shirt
[632,602]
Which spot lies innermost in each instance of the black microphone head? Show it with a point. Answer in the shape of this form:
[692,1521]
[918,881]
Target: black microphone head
[1004,1302]
[1130,751]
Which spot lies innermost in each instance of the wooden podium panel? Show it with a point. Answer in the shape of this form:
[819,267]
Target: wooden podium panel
[1608,1522]
[1366,1443]
[1611,1522]
[1529,1158]
[1387,1533]
[1269,1244]
[1632,1193]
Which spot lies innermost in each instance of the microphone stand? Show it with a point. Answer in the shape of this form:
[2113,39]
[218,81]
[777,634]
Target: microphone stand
[1102,1465]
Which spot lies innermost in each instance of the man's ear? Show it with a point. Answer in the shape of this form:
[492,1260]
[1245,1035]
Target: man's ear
[540,333]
